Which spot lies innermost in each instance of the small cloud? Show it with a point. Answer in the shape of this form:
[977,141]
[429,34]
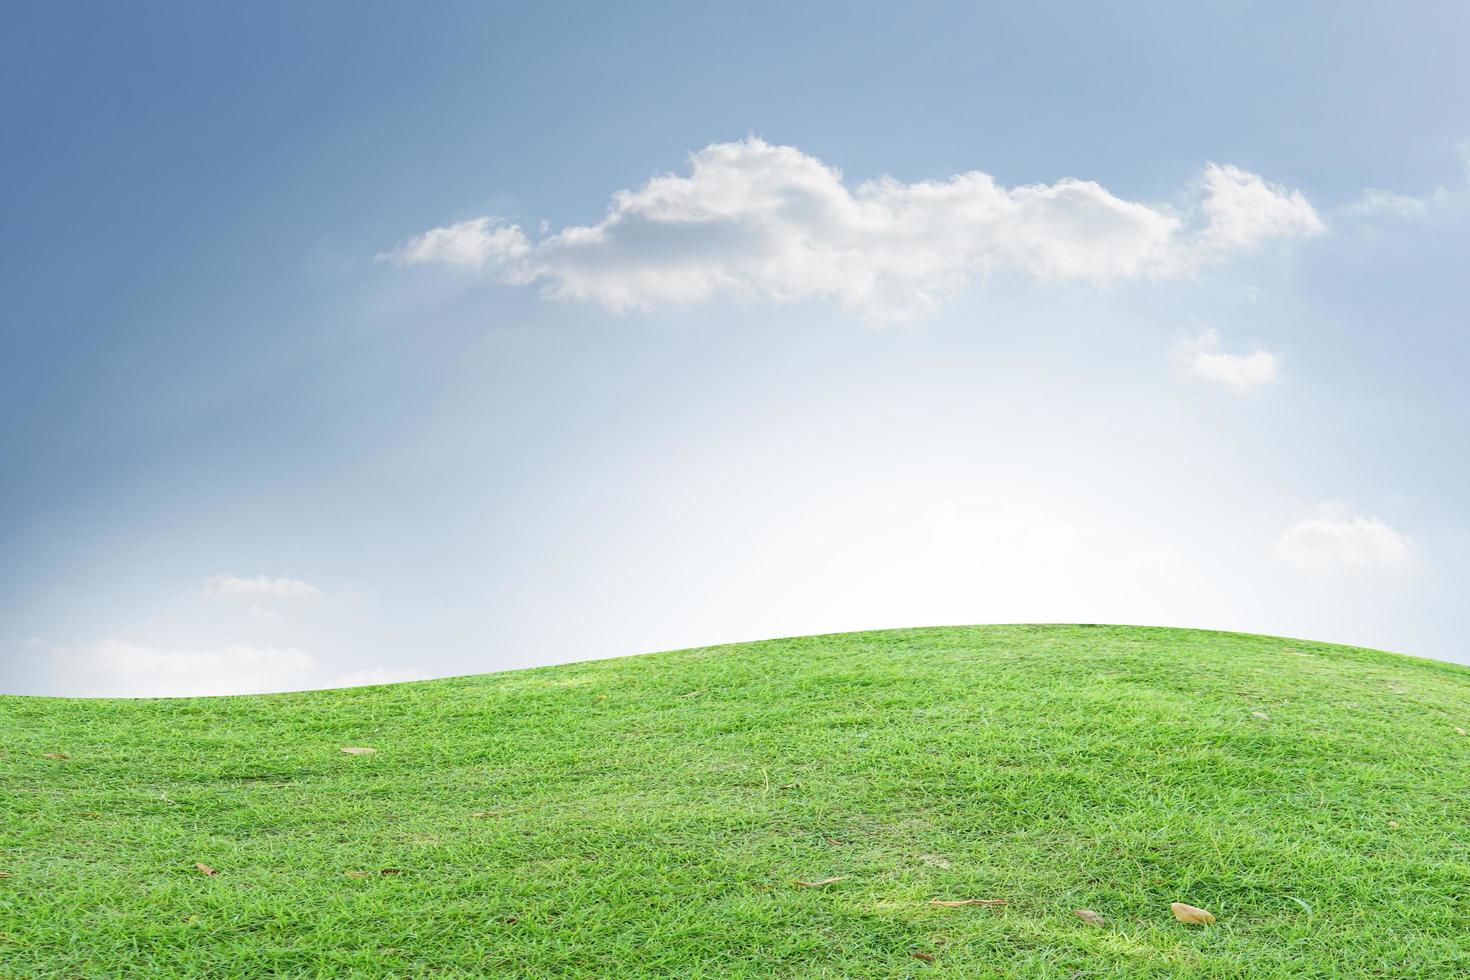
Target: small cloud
[1373,201]
[1245,210]
[1203,360]
[470,244]
[235,587]
[1336,540]
[752,219]
[378,675]
[116,668]
[267,615]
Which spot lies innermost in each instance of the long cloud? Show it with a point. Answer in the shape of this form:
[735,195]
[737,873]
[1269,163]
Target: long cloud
[757,220]
[236,587]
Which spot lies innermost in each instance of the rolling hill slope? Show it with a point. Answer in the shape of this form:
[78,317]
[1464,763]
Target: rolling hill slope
[653,815]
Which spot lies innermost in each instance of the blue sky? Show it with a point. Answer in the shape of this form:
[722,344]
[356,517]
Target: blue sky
[347,342]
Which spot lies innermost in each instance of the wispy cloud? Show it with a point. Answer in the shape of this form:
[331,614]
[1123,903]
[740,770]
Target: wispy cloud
[1202,360]
[1334,539]
[113,667]
[757,220]
[116,668]
[261,586]
[378,675]
[1375,202]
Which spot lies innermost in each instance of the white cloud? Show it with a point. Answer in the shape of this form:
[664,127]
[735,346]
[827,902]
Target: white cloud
[1244,211]
[1202,359]
[756,220]
[1374,202]
[235,587]
[378,675]
[119,668]
[1335,540]
[115,668]
[469,243]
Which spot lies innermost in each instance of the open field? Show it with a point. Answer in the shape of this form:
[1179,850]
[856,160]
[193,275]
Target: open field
[652,815]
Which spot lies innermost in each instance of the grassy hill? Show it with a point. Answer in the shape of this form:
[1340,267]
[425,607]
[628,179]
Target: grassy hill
[651,815]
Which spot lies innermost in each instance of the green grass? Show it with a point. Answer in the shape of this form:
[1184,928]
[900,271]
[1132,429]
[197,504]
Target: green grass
[648,816]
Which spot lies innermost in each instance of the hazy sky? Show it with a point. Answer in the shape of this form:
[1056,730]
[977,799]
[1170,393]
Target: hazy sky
[346,342]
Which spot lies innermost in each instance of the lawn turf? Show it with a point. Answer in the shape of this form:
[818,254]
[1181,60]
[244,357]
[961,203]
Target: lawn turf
[649,816]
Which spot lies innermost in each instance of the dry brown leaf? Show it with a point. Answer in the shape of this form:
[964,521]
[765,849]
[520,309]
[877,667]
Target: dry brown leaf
[692,694]
[55,755]
[935,860]
[358,750]
[1393,825]
[957,903]
[819,883]
[391,871]
[206,870]
[1088,916]
[7,874]
[1461,731]
[1190,914]
[1260,714]
[357,874]
[921,955]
